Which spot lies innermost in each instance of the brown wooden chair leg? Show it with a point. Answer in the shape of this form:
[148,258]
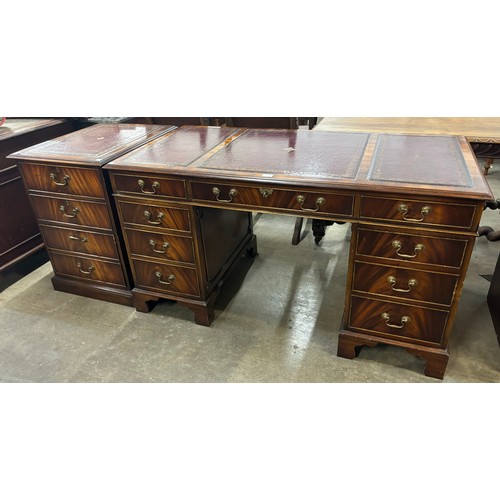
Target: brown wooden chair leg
[297,231]
[487,165]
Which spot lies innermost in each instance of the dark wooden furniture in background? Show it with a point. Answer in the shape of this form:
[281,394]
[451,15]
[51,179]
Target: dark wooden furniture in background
[19,233]
[71,200]
[414,202]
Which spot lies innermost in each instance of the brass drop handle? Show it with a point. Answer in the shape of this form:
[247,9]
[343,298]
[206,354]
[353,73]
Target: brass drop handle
[232,193]
[403,208]
[266,192]
[397,245]
[155,186]
[387,318]
[411,283]
[159,217]
[89,270]
[75,211]
[76,238]
[164,246]
[65,181]
[319,201]
[169,281]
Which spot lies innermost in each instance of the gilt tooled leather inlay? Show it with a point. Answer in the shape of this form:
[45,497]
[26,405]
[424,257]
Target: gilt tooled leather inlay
[299,153]
[179,149]
[427,160]
[95,144]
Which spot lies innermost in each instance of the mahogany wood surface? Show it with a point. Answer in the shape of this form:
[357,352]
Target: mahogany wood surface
[71,198]
[19,233]
[415,202]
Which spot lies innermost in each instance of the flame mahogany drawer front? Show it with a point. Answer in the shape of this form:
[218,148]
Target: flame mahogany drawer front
[63,179]
[411,247]
[397,320]
[154,216]
[88,268]
[77,212]
[264,197]
[166,278]
[404,283]
[160,246]
[418,212]
[76,240]
[147,185]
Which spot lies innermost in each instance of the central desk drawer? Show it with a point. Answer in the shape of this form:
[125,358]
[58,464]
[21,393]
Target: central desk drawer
[265,197]
[166,278]
[63,179]
[397,320]
[78,212]
[148,185]
[88,268]
[160,246]
[154,216]
[76,240]
[409,247]
[417,212]
[404,283]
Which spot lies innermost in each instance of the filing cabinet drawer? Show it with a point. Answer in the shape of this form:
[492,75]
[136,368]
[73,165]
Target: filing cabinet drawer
[417,212]
[397,320]
[411,247]
[166,278]
[63,179]
[76,240]
[288,199]
[88,269]
[160,246]
[149,185]
[77,212]
[155,216]
[404,283]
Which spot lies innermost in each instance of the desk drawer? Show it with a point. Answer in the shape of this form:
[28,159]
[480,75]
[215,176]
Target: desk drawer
[154,216]
[88,269]
[417,212]
[404,283]
[148,185]
[413,248]
[77,212]
[76,240]
[160,246]
[63,179]
[397,320]
[166,278]
[287,199]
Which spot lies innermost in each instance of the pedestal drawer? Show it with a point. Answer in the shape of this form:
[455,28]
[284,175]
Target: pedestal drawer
[148,185]
[404,283]
[397,320]
[154,216]
[76,240]
[410,247]
[417,212]
[88,268]
[63,179]
[78,212]
[166,278]
[289,199]
[160,246]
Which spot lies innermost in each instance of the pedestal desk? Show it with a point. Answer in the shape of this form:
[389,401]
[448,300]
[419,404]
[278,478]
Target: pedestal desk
[184,203]
[71,199]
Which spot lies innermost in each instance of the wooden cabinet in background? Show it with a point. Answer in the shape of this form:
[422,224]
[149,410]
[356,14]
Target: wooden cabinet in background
[19,233]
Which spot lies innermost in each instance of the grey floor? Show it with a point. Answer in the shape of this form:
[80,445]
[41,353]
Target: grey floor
[276,321]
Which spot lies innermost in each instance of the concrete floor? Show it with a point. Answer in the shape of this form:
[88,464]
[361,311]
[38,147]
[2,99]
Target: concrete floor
[276,321]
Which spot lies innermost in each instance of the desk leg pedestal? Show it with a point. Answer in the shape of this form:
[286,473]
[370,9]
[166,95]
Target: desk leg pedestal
[436,359]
